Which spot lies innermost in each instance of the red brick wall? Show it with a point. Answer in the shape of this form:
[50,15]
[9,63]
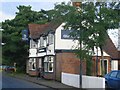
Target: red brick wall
[68,63]
[32,73]
[58,68]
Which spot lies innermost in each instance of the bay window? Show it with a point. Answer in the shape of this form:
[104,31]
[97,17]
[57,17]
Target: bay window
[48,64]
[32,64]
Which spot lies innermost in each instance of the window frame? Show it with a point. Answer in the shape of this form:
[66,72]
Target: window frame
[119,75]
[42,41]
[112,73]
[50,38]
[47,63]
[33,44]
[32,62]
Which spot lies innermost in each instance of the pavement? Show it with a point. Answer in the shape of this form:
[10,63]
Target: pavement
[41,81]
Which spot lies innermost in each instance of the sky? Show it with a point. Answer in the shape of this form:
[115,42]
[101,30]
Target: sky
[8,8]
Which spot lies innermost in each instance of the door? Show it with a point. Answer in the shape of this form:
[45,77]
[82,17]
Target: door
[103,67]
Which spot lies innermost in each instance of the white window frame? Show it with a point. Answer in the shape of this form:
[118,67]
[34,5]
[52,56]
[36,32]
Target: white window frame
[50,38]
[42,42]
[47,62]
[31,62]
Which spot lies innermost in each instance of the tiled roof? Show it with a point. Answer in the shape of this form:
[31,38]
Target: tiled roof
[110,48]
[38,29]
[113,34]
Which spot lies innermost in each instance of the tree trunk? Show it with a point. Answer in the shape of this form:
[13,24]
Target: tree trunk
[102,62]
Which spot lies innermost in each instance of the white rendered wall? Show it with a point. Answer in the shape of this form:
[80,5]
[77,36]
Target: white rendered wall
[50,50]
[41,54]
[32,52]
[70,79]
[63,43]
[99,52]
[114,65]
[87,81]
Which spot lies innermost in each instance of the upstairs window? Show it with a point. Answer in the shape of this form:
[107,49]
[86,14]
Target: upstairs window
[42,42]
[50,38]
[33,43]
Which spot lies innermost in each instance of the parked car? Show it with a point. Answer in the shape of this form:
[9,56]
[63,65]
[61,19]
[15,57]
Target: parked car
[112,79]
[10,69]
[2,67]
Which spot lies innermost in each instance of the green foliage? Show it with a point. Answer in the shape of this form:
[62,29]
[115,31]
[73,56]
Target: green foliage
[89,23]
[89,64]
[16,50]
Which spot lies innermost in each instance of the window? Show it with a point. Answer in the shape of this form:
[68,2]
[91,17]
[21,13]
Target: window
[113,74]
[118,76]
[50,39]
[48,64]
[42,41]
[33,44]
[32,64]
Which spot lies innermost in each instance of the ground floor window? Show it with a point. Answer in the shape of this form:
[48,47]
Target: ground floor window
[32,64]
[104,66]
[48,64]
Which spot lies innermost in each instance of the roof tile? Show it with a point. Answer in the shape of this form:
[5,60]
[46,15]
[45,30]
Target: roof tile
[38,29]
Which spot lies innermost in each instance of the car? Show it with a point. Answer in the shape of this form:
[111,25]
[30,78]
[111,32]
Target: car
[10,69]
[2,67]
[112,79]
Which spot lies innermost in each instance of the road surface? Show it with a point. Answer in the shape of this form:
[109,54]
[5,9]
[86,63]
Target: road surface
[11,82]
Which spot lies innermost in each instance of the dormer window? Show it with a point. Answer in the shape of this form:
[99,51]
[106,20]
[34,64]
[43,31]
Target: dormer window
[42,41]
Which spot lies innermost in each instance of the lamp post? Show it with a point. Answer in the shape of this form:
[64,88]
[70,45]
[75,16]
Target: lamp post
[80,62]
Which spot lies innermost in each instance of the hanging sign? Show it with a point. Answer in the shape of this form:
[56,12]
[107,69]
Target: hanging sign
[25,35]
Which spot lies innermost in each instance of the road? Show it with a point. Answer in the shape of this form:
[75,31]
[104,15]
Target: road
[11,82]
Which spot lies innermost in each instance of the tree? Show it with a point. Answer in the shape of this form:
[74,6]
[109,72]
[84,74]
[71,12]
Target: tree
[89,24]
[16,50]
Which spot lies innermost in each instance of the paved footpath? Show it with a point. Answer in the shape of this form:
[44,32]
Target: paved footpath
[49,83]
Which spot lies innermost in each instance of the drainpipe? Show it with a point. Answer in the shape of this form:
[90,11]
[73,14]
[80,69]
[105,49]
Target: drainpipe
[54,59]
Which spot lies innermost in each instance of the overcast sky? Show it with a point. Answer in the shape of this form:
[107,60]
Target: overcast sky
[8,8]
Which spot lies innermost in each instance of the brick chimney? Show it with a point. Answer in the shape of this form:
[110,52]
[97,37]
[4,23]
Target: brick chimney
[76,3]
